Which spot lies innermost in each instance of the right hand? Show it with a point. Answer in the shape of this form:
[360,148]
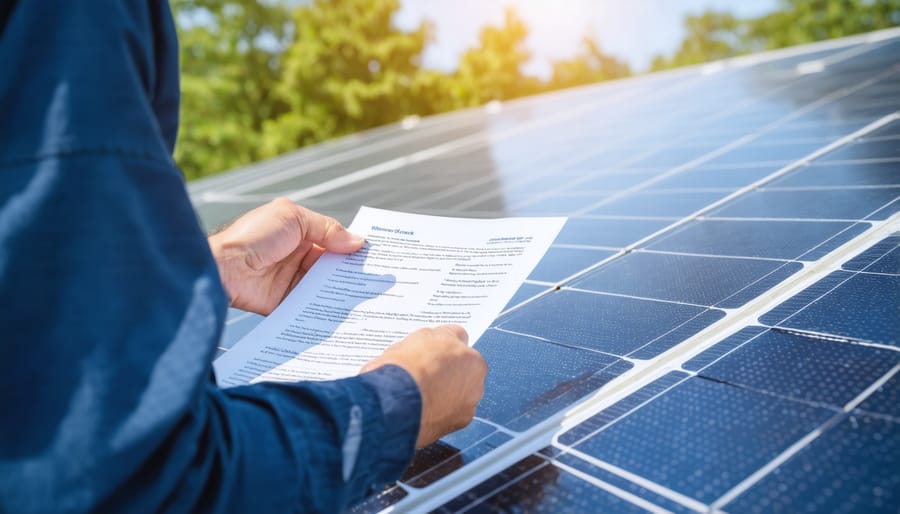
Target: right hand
[450,376]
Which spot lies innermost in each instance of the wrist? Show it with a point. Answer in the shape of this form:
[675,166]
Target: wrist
[225,256]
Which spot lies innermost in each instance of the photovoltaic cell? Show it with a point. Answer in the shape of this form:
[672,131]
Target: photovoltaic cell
[620,408]
[530,379]
[623,484]
[884,257]
[611,324]
[551,489]
[852,467]
[616,233]
[703,177]
[525,292]
[833,174]
[704,455]
[848,204]
[815,370]
[672,204]
[559,263]
[885,400]
[862,307]
[682,278]
[774,239]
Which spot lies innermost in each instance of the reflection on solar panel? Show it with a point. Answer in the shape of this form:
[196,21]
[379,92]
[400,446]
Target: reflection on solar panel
[717,326]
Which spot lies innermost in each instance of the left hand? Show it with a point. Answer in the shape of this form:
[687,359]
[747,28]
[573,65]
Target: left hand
[266,252]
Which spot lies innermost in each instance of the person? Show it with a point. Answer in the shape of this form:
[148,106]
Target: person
[114,300]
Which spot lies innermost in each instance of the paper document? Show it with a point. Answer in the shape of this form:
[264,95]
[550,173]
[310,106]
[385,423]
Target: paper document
[414,271]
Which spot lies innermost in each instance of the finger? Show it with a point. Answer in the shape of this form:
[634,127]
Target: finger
[326,232]
[458,331]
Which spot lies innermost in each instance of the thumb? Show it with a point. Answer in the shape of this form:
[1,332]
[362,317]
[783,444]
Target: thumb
[327,232]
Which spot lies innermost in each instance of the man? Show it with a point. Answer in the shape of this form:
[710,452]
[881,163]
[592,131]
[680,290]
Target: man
[113,302]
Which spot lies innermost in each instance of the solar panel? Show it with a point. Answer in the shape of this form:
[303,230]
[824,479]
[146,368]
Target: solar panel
[718,324]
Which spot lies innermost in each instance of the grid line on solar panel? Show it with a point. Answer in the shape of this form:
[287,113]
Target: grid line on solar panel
[661,504]
[871,127]
[862,395]
[847,469]
[802,443]
[853,306]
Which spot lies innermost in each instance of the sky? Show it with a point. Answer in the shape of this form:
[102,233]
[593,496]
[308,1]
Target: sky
[633,30]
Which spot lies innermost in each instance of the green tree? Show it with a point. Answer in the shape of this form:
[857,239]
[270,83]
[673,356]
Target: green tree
[709,36]
[591,65]
[805,21]
[493,70]
[348,68]
[231,60]
[718,35]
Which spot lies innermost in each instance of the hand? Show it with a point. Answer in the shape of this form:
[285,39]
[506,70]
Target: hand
[266,252]
[450,376]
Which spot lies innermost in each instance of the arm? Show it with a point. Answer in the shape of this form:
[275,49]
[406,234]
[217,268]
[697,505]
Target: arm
[105,382]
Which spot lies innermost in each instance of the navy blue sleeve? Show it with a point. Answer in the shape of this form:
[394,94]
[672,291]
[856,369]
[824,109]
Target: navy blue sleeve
[112,304]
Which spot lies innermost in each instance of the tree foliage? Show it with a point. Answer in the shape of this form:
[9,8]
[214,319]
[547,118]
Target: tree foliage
[493,70]
[591,65]
[717,35]
[261,77]
[348,68]
[231,63]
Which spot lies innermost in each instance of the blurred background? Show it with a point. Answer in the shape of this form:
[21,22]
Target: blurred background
[264,77]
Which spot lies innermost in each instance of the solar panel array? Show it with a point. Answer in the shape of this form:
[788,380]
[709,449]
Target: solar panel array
[717,328]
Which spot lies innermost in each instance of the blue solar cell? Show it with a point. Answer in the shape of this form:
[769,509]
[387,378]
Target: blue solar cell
[803,128]
[671,157]
[623,484]
[803,368]
[852,467]
[678,335]
[529,380]
[723,347]
[732,178]
[552,489]
[883,257]
[751,153]
[607,232]
[804,298]
[610,324]
[611,182]
[682,278]
[777,239]
[816,204]
[465,500]
[658,204]
[841,174]
[556,205]
[525,292]
[711,435]
[885,149]
[559,263]
[438,460]
[602,160]
[620,408]
[885,400]
[863,307]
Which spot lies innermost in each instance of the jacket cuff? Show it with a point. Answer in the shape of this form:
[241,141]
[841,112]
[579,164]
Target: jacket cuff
[401,411]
